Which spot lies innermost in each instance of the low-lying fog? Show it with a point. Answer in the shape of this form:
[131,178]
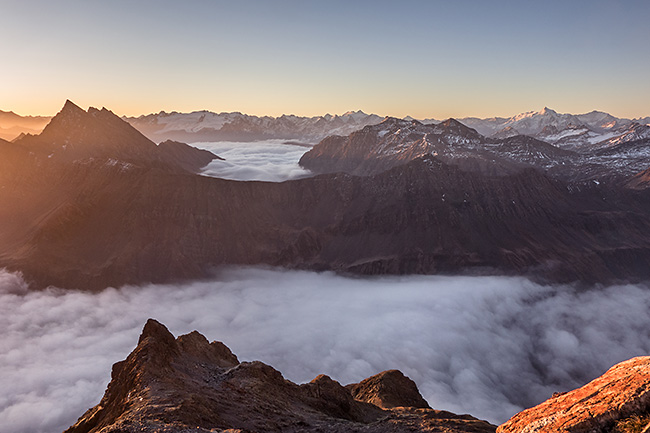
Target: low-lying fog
[272,160]
[488,346]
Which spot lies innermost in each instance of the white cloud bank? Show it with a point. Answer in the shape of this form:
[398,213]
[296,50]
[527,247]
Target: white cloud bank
[488,346]
[272,161]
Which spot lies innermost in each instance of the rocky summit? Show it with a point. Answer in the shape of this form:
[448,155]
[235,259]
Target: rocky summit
[76,136]
[187,384]
[603,405]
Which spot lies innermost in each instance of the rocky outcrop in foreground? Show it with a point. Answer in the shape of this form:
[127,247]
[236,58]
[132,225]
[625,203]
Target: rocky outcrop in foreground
[177,385]
[619,397]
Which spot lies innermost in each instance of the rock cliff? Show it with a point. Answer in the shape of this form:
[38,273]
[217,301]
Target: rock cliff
[188,384]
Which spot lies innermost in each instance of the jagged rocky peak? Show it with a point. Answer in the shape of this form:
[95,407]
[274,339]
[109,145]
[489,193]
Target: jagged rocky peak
[547,112]
[88,133]
[72,115]
[602,405]
[70,108]
[453,126]
[99,135]
[185,384]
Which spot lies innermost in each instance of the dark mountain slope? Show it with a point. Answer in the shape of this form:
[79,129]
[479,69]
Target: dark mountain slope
[99,225]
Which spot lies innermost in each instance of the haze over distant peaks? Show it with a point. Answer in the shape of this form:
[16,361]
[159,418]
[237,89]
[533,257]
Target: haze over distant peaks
[208,126]
[12,124]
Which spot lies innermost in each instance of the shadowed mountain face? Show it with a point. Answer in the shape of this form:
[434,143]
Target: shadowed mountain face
[77,136]
[82,221]
[174,385]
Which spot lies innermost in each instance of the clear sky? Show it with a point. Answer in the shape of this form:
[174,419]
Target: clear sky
[440,59]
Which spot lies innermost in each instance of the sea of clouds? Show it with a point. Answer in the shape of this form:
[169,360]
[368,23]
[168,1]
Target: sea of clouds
[488,346]
[271,160]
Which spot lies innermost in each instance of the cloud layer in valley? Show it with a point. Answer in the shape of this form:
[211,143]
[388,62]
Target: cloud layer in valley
[273,160]
[488,346]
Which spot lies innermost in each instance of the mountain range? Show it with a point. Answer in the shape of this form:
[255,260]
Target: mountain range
[90,203]
[576,132]
[393,142]
[573,131]
[564,130]
[208,126]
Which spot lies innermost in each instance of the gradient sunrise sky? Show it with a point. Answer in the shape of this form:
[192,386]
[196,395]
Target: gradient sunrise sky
[268,57]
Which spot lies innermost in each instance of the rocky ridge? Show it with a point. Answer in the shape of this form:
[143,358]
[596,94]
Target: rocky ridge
[188,384]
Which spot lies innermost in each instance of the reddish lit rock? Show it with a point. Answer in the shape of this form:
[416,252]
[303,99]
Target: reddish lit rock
[623,391]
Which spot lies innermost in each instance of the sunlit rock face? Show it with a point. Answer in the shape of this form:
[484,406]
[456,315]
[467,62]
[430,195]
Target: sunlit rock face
[173,385]
[622,392]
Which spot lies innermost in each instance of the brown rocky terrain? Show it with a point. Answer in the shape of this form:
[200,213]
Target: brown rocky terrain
[188,384]
[602,405]
[641,180]
[113,208]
